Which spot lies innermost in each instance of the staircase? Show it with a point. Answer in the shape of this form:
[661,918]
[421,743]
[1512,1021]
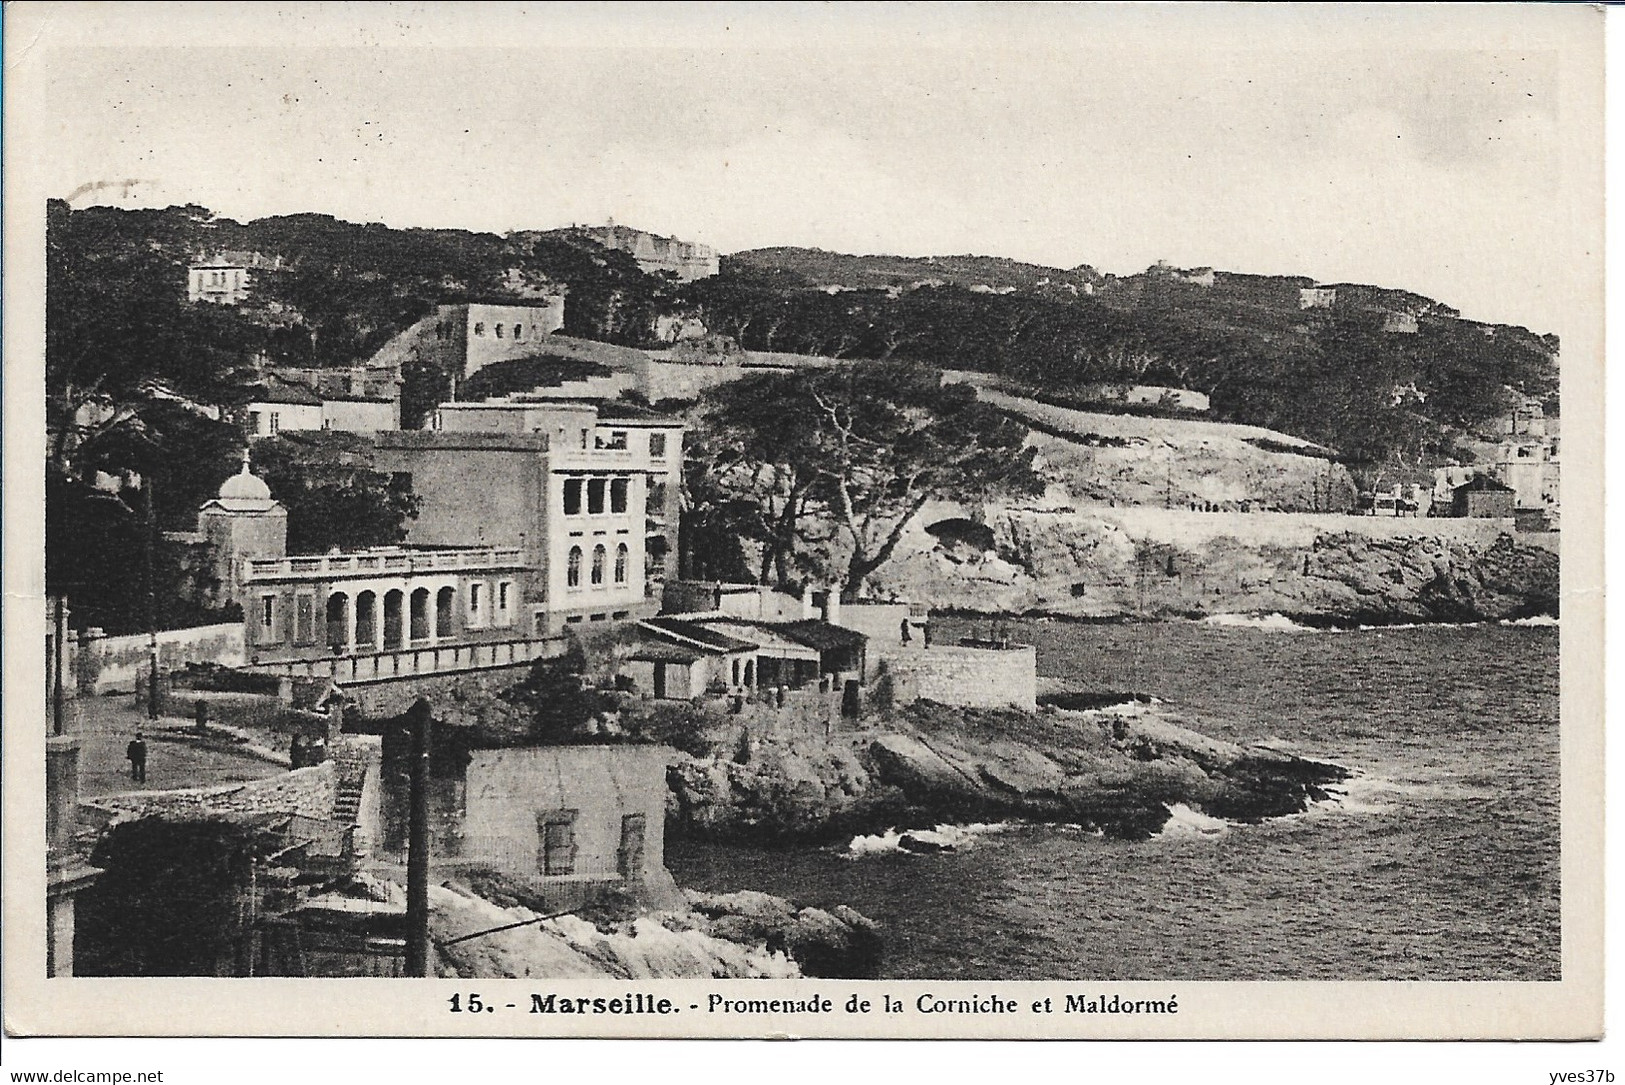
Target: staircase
[349,777]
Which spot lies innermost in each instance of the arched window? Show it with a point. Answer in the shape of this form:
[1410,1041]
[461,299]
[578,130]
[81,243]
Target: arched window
[597,565]
[499,331]
[572,570]
[620,564]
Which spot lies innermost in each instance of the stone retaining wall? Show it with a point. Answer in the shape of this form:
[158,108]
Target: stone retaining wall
[308,792]
[954,675]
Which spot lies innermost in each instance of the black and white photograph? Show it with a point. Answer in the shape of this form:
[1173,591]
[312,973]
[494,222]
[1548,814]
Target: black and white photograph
[993,506]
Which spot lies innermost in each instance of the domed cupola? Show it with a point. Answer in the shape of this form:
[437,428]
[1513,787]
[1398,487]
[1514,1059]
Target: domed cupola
[245,491]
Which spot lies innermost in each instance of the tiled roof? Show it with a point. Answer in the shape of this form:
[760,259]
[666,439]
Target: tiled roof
[821,635]
[699,634]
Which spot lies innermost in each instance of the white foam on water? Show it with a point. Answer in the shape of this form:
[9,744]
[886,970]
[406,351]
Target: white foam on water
[1269,623]
[1184,822]
[1539,621]
[957,837]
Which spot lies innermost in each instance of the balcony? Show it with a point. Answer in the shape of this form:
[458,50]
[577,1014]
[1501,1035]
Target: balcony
[384,562]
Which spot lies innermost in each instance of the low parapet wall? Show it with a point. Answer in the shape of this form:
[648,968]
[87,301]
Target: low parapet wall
[308,792]
[113,664]
[961,675]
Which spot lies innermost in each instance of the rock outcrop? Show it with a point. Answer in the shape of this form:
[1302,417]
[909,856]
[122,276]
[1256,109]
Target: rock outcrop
[743,935]
[1148,563]
[1115,769]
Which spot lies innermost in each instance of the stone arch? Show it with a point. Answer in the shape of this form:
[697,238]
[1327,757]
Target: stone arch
[366,618]
[394,623]
[418,614]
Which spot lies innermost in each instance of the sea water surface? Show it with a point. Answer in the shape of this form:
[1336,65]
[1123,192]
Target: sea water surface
[1441,861]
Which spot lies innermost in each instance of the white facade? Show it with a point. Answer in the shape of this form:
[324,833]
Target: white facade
[218,284]
[266,419]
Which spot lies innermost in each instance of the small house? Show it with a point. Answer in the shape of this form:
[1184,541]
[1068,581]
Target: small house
[1483,497]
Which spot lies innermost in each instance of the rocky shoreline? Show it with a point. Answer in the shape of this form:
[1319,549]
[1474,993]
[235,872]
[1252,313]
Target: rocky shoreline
[1149,564]
[1116,769]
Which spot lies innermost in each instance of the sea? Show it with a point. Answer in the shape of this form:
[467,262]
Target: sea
[1439,860]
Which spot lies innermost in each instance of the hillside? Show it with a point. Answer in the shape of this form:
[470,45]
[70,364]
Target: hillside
[994,274]
[1387,377]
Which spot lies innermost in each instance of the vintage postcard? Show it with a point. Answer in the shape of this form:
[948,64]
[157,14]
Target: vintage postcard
[1009,521]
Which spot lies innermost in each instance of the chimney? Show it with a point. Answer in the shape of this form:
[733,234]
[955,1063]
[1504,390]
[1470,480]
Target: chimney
[807,609]
[832,607]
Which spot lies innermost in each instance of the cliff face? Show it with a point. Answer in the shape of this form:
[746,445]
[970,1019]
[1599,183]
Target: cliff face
[1149,562]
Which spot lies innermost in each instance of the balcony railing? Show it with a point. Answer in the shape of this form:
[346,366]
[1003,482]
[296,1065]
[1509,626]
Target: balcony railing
[407,662]
[318,566]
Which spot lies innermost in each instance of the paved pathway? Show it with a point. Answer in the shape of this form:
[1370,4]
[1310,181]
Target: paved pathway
[106,725]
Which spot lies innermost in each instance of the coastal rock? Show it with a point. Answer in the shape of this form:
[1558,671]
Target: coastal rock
[1115,769]
[836,944]
[743,935]
[1152,562]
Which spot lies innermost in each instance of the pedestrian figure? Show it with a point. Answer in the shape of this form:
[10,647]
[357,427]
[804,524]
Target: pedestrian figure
[298,753]
[906,632]
[136,751]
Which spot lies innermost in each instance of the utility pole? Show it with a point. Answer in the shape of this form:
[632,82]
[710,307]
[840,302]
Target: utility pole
[152,605]
[58,726]
[417,854]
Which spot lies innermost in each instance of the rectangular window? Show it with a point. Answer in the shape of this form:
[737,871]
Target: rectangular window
[505,602]
[617,494]
[657,446]
[276,422]
[476,604]
[304,619]
[616,441]
[629,857]
[595,496]
[556,833]
[267,617]
[572,497]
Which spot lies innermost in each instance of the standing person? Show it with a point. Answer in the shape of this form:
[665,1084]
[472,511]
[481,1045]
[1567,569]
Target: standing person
[298,752]
[136,751]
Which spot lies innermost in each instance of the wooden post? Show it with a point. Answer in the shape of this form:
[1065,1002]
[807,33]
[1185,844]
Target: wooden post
[417,856]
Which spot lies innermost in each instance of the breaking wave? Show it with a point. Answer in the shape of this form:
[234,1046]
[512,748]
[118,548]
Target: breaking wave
[1185,822]
[1539,621]
[942,838]
[1273,623]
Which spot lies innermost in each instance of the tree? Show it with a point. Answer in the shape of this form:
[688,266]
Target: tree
[848,455]
[333,496]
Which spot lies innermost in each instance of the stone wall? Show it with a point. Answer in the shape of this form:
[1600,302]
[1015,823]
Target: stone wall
[954,675]
[381,700]
[113,664]
[308,792]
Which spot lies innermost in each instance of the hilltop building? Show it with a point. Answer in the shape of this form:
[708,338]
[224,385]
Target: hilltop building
[226,278]
[688,260]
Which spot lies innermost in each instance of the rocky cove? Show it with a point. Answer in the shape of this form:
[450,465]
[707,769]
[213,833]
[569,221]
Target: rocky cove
[1146,563]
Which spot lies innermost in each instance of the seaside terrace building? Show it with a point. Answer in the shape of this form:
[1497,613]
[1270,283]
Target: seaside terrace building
[534,517]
